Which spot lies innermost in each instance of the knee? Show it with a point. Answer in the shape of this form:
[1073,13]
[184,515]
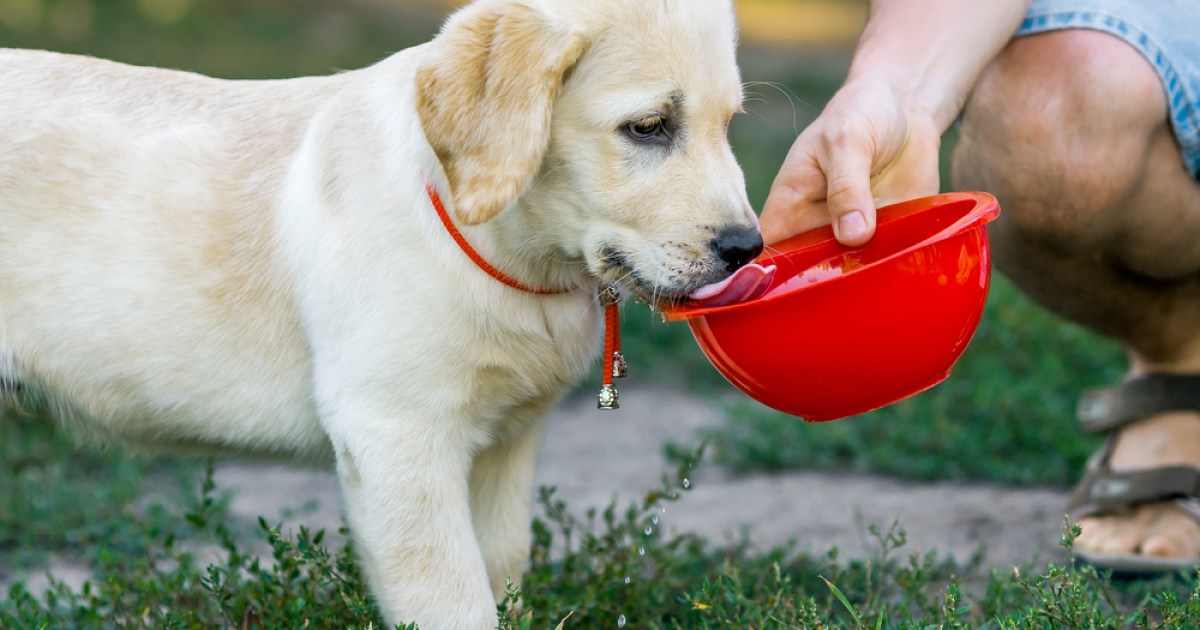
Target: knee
[1058,127]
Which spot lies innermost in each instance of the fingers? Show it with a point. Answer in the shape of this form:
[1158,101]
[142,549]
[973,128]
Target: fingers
[789,209]
[862,149]
[825,179]
[851,207]
[780,225]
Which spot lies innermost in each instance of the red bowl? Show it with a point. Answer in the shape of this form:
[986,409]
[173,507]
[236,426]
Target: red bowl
[842,330]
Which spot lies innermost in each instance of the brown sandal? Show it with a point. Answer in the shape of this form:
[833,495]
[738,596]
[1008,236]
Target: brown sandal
[1105,491]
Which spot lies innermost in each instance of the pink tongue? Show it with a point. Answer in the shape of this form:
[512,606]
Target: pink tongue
[746,283]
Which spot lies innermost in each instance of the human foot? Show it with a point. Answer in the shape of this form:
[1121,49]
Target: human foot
[1158,529]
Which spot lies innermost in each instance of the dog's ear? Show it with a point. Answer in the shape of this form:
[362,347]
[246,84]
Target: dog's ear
[485,99]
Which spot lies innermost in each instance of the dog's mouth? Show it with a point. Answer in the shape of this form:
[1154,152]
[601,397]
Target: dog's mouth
[747,283]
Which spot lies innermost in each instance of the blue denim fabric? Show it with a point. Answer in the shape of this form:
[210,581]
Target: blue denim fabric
[1166,32]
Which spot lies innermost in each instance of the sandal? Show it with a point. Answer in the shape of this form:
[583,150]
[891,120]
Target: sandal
[1105,491]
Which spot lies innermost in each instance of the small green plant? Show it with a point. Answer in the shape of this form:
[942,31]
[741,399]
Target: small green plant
[301,585]
[58,500]
[603,569]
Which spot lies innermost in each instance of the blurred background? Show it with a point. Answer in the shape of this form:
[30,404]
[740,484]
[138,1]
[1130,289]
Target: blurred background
[800,46]
[1005,416]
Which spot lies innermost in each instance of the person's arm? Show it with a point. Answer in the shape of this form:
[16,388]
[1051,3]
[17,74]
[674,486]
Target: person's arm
[877,140]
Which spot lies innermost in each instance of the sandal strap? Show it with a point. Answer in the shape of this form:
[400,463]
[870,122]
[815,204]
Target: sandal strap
[1191,506]
[1105,490]
[1143,396]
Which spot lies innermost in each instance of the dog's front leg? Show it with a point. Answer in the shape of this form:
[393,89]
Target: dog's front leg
[501,493]
[407,503]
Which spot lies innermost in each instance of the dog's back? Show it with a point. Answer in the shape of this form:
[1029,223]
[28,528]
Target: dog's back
[149,193]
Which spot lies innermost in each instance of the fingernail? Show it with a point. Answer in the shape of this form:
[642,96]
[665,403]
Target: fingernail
[852,226]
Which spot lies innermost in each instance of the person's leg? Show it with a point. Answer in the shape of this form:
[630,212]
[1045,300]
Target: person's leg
[1100,223]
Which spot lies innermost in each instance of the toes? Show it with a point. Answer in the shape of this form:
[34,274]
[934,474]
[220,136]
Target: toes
[1091,532]
[1173,535]
[1159,530]
[1109,534]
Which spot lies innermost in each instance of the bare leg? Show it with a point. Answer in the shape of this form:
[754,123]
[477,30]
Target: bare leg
[1101,224]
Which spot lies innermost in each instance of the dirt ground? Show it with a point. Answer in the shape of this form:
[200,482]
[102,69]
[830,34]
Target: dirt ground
[594,456]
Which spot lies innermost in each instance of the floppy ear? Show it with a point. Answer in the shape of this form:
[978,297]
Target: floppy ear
[485,100]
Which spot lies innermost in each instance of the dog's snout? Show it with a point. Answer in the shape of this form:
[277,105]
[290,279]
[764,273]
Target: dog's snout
[738,246]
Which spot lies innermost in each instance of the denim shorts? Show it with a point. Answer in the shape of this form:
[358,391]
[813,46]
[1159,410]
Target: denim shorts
[1166,32]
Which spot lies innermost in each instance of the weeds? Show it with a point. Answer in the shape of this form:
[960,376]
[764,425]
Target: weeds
[602,569]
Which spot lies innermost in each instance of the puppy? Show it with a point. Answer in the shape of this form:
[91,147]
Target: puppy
[258,268]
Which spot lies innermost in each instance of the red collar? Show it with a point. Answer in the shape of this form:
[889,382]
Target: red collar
[474,255]
[614,364]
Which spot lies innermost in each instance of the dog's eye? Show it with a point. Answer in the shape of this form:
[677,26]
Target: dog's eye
[652,129]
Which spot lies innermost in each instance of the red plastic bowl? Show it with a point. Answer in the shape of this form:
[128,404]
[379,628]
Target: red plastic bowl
[842,330]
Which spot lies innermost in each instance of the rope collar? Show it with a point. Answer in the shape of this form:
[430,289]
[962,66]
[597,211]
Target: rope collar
[610,297]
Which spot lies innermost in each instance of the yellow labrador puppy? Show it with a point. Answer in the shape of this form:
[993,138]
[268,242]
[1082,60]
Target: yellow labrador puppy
[258,267]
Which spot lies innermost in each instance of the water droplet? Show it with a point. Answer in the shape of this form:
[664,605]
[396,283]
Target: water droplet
[654,519]
[641,551]
[621,621]
[662,509]
[649,530]
[628,580]
[687,483]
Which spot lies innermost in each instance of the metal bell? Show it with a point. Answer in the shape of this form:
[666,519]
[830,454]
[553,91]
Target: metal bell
[609,294]
[620,369]
[608,399]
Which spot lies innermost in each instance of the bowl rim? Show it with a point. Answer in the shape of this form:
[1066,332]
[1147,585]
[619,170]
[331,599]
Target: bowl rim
[986,208]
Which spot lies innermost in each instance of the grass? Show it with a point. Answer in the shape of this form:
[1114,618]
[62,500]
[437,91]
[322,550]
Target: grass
[57,498]
[226,38]
[179,561]
[601,569]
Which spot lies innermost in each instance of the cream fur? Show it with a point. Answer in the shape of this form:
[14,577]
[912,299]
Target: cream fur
[254,268]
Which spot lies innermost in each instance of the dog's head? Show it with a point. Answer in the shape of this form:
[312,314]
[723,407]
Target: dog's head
[607,120]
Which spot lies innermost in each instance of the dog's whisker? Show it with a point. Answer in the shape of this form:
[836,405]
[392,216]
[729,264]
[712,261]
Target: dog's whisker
[754,112]
[792,98]
[543,177]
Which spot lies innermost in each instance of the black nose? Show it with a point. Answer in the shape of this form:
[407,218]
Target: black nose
[738,246]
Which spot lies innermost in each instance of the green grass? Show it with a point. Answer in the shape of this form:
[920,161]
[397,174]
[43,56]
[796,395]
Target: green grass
[592,570]
[233,39]
[57,500]
[1004,416]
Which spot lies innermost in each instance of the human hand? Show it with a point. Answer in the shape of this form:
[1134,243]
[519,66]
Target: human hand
[864,150]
